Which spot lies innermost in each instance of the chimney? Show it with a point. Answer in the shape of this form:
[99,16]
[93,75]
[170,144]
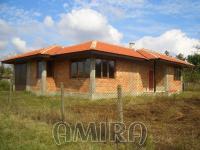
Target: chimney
[131,45]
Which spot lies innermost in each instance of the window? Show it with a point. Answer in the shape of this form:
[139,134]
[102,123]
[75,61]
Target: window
[105,68]
[87,68]
[111,69]
[98,68]
[177,74]
[80,68]
[74,69]
[49,69]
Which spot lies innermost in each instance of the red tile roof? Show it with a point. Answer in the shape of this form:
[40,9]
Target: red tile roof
[101,47]
[43,51]
[155,55]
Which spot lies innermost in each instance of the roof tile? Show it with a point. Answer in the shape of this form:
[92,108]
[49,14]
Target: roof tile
[155,55]
[102,47]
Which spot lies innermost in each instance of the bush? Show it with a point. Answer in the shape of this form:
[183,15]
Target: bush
[4,85]
[191,86]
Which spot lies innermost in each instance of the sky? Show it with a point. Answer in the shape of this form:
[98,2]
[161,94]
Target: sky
[172,25]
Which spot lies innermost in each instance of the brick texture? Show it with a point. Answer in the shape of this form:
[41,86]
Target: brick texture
[174,85]
[133,76]
[160,77]
[62,74]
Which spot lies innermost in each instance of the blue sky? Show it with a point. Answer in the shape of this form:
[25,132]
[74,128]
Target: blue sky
[172,25]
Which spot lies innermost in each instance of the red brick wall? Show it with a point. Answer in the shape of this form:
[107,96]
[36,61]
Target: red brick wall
[132,75]
[143,76]
[174,85]
[134,78]
[122,77]
[62,74]
[160,77]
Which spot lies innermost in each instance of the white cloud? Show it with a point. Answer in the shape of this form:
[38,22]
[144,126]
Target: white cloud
[76,26]
[17,15]
[48,21]
[87,20]
[87,24]
[175,41]
[5,29]
[19,44]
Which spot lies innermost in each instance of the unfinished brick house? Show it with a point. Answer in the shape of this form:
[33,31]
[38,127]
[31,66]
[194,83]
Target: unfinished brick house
[94,69]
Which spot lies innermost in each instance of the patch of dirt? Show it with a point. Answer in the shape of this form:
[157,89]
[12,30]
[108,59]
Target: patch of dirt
[171,123]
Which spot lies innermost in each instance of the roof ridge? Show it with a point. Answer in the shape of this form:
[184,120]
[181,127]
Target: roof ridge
[43,51]
[72,45]
[117,45]
[153,51]
[153,54]
[93,44]
[149,51]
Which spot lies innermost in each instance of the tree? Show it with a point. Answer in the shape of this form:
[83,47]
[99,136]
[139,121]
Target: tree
[193,74]
[1,70]
[194,59]
[5,71]
[166,53]
[181,56]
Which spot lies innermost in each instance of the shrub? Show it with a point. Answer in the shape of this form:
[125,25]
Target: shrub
[4,85]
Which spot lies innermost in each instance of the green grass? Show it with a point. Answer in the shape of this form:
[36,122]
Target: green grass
[26,121]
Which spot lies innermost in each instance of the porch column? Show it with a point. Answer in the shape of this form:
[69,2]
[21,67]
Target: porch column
[166,79]
[13,76]
[43,77]
[92,78]
[28,77]
[154,76]
[182,83]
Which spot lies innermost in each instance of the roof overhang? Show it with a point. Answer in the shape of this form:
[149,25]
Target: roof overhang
[93,53]
[25,59]
[174,63]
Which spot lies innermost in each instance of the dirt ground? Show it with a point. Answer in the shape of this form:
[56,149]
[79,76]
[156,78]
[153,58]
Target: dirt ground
[171,124]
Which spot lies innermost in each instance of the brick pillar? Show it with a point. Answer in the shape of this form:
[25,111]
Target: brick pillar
[28,77]
[43,78]
[92,78]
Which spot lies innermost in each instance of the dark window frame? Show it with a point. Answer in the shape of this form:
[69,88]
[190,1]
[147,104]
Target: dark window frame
[38,73]
[108,69]
[50,64]
[85,74]
[177,74]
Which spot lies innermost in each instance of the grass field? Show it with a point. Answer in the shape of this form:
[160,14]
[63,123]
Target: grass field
[26,121]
